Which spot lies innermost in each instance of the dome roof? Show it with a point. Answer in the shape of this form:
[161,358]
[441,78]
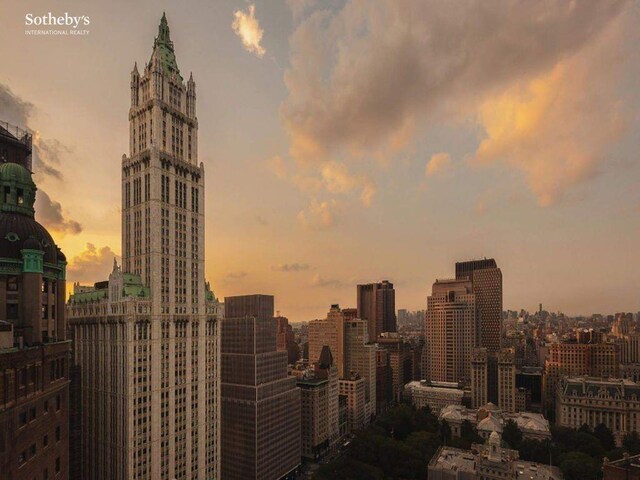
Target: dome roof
[490,423]
[16,172]
[17,230]
[32,244]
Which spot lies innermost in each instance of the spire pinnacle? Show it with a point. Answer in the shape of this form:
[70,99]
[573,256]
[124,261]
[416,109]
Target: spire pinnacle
[164,36]
[163,47]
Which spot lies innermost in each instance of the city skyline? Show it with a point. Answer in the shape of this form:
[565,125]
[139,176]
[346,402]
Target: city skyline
[307,199]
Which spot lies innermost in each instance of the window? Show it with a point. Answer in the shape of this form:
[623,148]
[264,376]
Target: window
[12,284]
[23,418]
[58,433]
[20,196]
[58,402]
[22,457]
[32,413]
[58,465]
[32,450]
[46,406]
[45,440]
[45,474]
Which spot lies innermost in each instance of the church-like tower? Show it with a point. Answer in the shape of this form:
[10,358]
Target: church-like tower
[168,349]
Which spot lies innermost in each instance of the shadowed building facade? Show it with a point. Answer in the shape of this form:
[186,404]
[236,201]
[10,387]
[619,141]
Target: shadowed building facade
[146,342]
[34,350]
[486,281]
[377,305]
[260,401]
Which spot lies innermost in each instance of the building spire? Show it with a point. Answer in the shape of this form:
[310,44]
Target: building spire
[163,48]
[164,35]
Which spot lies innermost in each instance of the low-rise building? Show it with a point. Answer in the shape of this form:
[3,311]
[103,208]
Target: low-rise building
[487,462]
[627,468]
[436,395]
[490,418]
[592,401]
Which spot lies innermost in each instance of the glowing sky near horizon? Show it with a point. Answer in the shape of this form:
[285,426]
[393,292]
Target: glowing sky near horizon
[354,141]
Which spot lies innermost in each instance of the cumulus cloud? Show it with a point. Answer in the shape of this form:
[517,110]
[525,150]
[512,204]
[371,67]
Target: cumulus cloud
[318,281]
[438,164]
[49,213]
[330,176]
[319,215]
[337,179]
[551,127]
[290,267]
[47,153]
[246,26]
[363,76]
[14,109]
[92,264]
[47,156]
[46,159]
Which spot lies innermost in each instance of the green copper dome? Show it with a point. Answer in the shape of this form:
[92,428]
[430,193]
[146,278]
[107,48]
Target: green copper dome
[17,190]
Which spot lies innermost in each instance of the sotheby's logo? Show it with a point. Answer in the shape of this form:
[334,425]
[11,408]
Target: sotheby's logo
[51,24]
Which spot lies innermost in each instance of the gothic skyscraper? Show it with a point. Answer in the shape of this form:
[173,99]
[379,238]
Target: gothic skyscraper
[147,345]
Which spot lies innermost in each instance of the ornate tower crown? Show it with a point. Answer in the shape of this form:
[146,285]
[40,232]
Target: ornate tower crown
[163,51]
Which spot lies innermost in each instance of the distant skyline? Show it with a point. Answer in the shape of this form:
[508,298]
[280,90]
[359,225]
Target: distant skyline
[350,142]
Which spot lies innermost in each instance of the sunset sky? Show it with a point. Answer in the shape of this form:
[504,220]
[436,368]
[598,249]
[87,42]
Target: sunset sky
[353,141]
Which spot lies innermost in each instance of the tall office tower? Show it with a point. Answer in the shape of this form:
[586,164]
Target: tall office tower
[319,407]
[282,331]
[328,332]
[259,306]
[450,334]
[353,389]
[327,370]
[384,380]
[377,305]
[360,356]
[479,377]
[34,350]
[486,279]
[507,380]
[260,401]
[623,324]
[629,348]
[146,340]
[400,360]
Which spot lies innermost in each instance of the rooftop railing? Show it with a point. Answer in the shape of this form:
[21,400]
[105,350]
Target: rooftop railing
[22,135]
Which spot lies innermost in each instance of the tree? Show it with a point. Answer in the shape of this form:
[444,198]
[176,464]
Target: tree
[605,436]
[425,443]
[512,434]
[579,466]
[588,444]
[445,431]
[631,443]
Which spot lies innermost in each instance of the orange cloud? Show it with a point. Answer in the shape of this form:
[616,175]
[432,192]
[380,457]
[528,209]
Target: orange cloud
[438,165]
[558,127]
[246,26]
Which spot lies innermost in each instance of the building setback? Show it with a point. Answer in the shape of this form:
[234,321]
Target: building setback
[260,401]
[34,350]
[146,344]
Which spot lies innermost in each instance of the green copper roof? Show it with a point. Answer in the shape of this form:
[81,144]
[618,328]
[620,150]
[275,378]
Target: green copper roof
[17,181]
[163,48]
